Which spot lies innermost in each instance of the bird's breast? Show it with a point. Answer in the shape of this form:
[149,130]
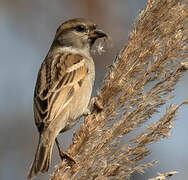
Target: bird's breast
[81,98]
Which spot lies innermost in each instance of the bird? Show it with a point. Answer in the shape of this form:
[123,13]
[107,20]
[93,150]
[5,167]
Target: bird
[63,88]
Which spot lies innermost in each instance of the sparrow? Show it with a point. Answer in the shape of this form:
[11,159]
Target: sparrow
[63,88]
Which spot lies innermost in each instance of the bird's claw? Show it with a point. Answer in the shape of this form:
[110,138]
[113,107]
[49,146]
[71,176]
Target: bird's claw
[95,104]
[87,112]
[68,158]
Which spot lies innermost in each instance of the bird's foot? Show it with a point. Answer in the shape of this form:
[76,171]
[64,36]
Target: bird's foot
[87,112]
[95,104]
[63,155]
[67,157]
[98,103]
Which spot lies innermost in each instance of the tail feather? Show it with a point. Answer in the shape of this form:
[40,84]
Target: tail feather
[42,159]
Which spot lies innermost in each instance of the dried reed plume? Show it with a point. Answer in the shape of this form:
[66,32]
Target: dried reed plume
[164,176]
[140,82]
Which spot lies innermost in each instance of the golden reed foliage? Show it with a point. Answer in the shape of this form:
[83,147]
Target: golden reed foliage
[140,82]
[164,176]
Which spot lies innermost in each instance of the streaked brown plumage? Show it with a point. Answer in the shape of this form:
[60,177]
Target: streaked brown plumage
[63,86]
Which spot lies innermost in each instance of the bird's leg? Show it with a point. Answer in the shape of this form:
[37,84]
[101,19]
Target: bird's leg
[63,155]
[95,103]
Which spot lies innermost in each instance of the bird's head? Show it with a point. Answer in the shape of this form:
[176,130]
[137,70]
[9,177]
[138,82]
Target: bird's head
[78,33]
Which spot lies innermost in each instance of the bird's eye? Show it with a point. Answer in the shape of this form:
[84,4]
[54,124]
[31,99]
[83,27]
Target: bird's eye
[80,28]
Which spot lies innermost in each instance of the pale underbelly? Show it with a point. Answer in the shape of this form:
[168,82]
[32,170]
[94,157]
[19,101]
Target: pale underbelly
[79,103]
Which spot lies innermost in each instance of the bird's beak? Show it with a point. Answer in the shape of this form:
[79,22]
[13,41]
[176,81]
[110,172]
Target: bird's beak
[97,34]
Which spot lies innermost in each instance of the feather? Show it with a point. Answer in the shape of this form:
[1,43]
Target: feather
[56,83]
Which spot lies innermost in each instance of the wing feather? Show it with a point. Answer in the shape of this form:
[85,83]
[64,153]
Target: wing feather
[55,86]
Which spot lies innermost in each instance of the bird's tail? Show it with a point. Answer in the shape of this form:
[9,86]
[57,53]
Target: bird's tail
[42,159]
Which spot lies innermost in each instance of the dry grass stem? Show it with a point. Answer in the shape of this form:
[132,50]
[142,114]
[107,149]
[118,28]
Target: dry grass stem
[139,83]
[164,176]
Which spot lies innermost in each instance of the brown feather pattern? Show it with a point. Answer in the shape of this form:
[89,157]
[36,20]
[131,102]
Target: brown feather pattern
[56,85]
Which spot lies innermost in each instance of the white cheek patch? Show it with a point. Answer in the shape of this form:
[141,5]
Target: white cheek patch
[76,66]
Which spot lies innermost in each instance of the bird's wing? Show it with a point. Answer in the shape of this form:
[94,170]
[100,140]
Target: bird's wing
[55,86]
